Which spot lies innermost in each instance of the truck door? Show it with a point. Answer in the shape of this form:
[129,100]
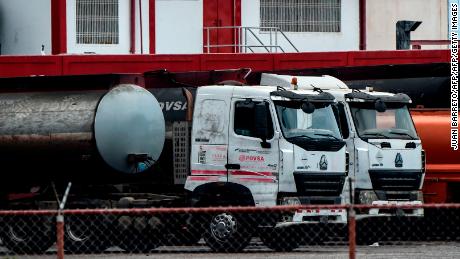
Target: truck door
[253,150]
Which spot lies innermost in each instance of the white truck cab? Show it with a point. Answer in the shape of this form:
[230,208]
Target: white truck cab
[387,162]
[265,146]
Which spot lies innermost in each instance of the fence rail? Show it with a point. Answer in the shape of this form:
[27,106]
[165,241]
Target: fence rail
[127,232]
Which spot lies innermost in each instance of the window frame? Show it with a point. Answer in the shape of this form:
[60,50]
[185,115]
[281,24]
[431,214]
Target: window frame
[296,22]
[123,32]
[343,120]
[269,110]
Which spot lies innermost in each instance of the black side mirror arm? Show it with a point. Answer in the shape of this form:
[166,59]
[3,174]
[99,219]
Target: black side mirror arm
[265,144]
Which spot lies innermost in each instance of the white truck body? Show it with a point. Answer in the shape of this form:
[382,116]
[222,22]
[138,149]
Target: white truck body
[386,165]
[275,174]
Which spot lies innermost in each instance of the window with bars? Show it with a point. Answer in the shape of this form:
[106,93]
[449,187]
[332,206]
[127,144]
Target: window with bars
[301,15]
[97,22]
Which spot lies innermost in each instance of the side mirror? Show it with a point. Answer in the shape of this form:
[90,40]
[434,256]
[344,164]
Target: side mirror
[308,107]
[380,106]
[261,123]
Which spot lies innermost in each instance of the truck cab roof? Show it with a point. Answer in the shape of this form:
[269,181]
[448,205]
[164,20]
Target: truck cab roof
[248,91]
[333,86]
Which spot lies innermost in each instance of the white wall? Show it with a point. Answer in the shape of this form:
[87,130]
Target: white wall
[381,18]
[25,26]
[179,26]
[346,39]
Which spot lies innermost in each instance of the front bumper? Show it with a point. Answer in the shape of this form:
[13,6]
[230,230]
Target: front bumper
[316,216]
[381,211]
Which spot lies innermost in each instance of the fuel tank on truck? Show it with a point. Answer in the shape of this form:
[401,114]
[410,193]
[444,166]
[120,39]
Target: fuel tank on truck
[89,136]
[442,180]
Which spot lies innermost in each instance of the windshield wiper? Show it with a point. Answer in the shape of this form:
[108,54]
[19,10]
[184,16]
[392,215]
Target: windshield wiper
[300,136]
[375,134]
[401,133]
[328,135]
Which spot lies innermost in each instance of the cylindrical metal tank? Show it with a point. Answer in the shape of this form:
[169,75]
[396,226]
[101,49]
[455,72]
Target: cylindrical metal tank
[121,130]
[442,176]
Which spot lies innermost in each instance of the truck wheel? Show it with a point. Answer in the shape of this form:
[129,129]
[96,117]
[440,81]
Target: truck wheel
[282,239]
[226,232]
[138,234]
[187,237]
[190,232]
[86,234]
[27,234]
[366,237]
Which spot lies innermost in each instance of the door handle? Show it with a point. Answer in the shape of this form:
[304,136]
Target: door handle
[232,166]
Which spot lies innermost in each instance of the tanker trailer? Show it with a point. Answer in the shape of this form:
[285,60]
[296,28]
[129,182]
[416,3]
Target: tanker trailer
[95,139]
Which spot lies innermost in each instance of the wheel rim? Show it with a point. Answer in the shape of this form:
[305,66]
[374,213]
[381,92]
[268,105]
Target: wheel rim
[223,226]
[75,236]
[15,236]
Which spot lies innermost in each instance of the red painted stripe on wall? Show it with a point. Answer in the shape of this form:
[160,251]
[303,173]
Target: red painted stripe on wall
[58,27]
[97,64]
[152,26]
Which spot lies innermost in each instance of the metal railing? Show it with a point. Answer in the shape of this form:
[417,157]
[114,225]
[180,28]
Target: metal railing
[417,44]
[243,35]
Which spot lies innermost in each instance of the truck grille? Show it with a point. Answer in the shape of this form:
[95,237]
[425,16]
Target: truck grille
[325,184]
[395,180]
[319,144]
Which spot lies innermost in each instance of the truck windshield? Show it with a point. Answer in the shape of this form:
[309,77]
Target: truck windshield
[394,123]
[295,123]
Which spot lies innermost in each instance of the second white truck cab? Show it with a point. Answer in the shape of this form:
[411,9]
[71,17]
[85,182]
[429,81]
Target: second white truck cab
[387,162]
[265,146]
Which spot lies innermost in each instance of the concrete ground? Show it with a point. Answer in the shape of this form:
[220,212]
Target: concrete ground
[409,250]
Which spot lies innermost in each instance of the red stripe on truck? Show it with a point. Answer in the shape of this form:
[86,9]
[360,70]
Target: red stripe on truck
[209,172]
[250,173]
[258,180]
[204,178]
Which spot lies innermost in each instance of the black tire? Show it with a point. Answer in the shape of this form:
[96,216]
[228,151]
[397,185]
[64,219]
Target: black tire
[138,236]
[87,234]
[186,237]
[183,230]
[28,234]
[227,232]
[280,239]
[366,237]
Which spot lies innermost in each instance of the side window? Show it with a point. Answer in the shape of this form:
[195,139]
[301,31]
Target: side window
[342,120]
[246,122]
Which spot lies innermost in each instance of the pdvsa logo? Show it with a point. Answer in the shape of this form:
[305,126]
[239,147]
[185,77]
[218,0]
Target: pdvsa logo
[248,158]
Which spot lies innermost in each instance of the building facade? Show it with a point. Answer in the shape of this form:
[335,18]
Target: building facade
[212,26]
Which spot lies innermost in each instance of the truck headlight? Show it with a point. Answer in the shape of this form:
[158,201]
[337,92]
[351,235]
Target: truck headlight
[290,201]
[367,197]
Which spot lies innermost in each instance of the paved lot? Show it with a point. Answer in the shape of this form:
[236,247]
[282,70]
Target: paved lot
[411,250]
